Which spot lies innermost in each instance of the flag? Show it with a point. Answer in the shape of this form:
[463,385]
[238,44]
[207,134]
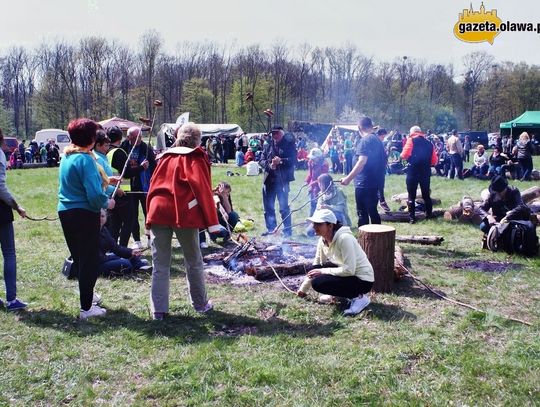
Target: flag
[183,118]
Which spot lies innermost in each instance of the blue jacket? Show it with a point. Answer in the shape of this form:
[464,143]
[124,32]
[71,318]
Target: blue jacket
[80,184]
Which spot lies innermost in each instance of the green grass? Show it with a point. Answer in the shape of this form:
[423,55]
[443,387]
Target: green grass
[263,346]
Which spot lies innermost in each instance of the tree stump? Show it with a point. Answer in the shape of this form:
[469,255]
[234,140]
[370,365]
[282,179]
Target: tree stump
[379,241]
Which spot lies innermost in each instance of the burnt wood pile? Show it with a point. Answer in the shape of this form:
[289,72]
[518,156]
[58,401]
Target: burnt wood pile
[260,259]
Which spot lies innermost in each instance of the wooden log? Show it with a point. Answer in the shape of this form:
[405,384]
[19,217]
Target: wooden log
[378,241]
[403,216]
[425,240]
[530,194]
[399,264]
[404,197]
[265,272]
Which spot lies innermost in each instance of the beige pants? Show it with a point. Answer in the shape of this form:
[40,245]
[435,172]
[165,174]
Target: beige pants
[161,258]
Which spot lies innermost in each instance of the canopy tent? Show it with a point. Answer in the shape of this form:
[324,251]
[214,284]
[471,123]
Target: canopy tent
[528,121]
[167,130]
[341,128]
[124,124]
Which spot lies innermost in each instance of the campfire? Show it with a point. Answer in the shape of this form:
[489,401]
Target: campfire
[261,259]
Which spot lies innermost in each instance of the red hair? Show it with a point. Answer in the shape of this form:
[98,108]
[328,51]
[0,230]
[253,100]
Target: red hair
[82,131]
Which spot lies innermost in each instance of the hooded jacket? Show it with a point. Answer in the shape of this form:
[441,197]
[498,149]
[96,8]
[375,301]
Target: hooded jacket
[180,194]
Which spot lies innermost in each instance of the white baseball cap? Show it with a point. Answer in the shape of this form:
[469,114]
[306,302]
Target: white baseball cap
[322,216]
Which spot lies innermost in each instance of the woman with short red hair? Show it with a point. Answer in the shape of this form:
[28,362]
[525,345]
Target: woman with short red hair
[81,196]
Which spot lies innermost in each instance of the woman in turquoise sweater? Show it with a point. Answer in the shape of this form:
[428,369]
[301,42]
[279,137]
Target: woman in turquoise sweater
[81,195]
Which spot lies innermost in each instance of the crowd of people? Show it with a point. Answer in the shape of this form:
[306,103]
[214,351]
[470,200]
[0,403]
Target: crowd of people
[47,153]
[104,178]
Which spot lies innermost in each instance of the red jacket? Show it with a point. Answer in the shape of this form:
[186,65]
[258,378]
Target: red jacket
[180,193]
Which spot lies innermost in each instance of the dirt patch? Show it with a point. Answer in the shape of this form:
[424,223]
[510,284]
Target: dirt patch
[235,331]
[486,266]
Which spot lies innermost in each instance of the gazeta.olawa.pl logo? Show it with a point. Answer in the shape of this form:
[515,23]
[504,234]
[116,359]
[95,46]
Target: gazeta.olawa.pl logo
[484,25]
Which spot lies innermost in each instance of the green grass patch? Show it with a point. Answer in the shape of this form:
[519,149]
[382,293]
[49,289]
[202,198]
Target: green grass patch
[263,346]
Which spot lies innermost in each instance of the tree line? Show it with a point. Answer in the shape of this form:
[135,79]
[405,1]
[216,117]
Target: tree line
[98,78]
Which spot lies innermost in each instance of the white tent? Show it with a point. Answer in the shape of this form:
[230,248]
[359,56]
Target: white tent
[341,128]
[167,130]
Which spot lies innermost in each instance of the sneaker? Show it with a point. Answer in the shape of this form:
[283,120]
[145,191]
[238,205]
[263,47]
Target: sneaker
[137,245]
[159,316]
[146,267]
[204,245]
[384,206]
[94,311]
[15,305]
[327,299]
[208,307]
[96,299]
[357,305]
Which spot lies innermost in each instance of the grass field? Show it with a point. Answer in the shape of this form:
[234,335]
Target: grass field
[262,345]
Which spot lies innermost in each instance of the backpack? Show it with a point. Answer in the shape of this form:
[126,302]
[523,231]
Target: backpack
[516,236]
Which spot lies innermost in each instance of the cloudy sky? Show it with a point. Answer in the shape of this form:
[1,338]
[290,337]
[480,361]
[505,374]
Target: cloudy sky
[384,30]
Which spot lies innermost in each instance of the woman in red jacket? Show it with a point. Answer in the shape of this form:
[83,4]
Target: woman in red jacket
[180,200]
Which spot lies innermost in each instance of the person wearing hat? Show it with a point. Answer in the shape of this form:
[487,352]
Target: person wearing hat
[317,166]
[421,156]
[368,173]
[341,267]
[278,160]
[505,202]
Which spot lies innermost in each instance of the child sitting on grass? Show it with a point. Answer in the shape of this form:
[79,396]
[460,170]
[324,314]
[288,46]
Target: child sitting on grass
[115,259]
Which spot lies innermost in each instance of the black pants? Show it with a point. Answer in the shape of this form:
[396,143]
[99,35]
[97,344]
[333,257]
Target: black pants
[136,198]
[366,205]
[346,287]
[415,177]
[81,230]
[120,220]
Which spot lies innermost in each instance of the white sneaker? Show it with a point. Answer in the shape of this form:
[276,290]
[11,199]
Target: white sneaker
[137,245]
[327,299]
[94,311]
[96,299]
[357,305]
[204,245]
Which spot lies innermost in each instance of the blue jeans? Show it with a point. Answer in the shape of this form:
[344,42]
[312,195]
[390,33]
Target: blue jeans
[7,241]
[456,167]
[118,265]
[223,232]
[271,191]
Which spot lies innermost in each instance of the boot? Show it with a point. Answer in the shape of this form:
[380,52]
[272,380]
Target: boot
[411,206]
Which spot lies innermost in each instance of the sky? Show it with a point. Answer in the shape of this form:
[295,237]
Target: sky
[384,30]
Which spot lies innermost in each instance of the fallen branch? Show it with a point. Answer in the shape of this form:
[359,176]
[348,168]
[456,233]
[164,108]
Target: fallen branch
[425,240]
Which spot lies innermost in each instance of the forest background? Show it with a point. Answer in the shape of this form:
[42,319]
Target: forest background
[46,86]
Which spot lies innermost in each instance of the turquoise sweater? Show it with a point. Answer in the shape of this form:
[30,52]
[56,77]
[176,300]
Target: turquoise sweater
[104,162]
[80,184]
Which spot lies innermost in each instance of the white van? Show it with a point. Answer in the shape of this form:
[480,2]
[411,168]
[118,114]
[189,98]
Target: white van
[60,137]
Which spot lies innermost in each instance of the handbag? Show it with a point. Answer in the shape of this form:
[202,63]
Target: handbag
[69,269]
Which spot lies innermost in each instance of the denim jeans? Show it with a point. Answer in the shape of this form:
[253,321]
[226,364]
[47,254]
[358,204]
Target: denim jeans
[456,168]
[7,241]
[271,191]
[223,232]
[118,265]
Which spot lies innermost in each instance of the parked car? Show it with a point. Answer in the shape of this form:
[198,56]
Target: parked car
[476,137]
[10,144]
[60,137]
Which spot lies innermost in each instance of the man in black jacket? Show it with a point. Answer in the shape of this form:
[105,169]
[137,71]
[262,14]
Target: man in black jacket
[505,202]
[278,160]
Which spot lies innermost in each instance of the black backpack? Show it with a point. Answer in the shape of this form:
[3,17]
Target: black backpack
[516,236]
